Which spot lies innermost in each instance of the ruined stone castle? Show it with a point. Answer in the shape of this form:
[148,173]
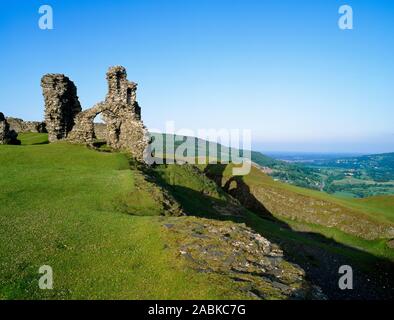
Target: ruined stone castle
[120,111]
[7,135]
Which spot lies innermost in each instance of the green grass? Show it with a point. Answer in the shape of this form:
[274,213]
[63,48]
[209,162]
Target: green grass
[377,247]
[32,138]
[97,222]
[187,188]
[376,210]
[68,207]
[191,188]
[385,214]
[378,205]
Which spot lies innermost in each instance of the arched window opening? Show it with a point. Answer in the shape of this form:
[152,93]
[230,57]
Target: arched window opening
[100,131]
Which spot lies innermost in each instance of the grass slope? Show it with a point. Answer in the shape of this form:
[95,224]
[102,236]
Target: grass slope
[317,248]
[32,138]
[96,222]
[64,205]
[361,219]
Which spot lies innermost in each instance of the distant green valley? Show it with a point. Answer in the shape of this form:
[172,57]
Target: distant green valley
[356,177]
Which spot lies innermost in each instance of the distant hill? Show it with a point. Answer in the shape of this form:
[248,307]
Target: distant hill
[286,172]
[379,167]
[360,177]
[355,177]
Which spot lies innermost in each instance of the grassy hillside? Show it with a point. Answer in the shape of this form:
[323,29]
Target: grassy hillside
[318,248]
[357,177]
[353,216]
[100,221]
[378,206]
[71,208]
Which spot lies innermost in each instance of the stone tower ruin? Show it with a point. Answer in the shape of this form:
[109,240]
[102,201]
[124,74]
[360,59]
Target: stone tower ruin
[120,112]
[61,105]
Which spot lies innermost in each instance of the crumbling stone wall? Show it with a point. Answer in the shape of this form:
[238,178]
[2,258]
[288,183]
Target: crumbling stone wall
[7,136]
[21,126]
[121,91]
[83,131]
[121,114]
[61,105]
[120,111]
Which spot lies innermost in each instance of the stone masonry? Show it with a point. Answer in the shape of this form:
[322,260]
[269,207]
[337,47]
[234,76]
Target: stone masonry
[7,136]
[61,105]
[120,111]
[21,126]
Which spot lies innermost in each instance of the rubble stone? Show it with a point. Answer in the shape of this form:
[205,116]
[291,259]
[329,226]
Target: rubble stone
[21,126]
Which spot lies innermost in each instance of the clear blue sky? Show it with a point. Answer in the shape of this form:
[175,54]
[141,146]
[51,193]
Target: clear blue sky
[281,68]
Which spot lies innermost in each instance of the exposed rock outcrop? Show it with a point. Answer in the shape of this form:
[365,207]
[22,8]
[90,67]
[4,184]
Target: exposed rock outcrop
[61,105]
[256,266]
[21,126]
[7,135]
